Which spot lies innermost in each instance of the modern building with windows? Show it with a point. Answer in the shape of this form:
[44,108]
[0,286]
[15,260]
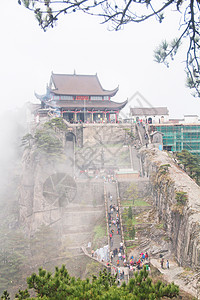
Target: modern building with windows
[178,137]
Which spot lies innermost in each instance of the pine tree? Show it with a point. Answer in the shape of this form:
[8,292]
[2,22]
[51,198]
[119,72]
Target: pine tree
[190,163]
[130,213]
[61,285]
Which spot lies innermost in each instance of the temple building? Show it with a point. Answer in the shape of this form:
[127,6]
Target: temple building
[80,98]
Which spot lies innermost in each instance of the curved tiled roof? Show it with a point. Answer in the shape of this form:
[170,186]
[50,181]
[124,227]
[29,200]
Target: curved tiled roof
[84,85]
[80,104]
[149,111]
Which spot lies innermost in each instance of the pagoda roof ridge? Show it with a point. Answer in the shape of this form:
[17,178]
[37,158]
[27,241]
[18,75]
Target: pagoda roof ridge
[75,84]
[120,103]
[117,88]
[43,97]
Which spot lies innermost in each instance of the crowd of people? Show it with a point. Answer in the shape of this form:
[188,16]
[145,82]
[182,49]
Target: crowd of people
[139,263]
[117,254]
[113,220]
[119,264]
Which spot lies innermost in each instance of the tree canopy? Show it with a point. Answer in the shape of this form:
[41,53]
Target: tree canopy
[118,13]
[46,139]
[190,163]
[61,285]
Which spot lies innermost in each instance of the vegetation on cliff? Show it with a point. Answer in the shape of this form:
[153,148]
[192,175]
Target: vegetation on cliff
[61,285]
[12,257]
[48,138]
[190,163]
[19,254]
[161,180]
[181,198]
[47,142]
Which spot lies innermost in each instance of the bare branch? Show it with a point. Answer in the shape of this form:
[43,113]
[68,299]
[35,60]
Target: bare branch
[118,13]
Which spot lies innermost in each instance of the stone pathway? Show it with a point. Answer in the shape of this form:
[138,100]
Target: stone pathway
[117,237]
[172,275]
[142,132]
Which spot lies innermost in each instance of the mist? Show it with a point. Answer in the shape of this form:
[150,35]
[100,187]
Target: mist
[12,128]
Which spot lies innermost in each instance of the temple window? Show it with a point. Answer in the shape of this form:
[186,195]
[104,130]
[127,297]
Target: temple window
[56,98]
[106,98]
[63,97]
[66,97]
[96,98]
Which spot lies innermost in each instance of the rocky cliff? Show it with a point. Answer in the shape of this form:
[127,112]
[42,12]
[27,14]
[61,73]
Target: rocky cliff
[50,193]
[177,201]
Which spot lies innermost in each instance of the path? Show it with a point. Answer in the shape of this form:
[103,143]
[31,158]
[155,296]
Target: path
[141,132]
[116,240]
[172,275]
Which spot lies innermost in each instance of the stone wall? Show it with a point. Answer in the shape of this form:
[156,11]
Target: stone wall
[39,206]
[41,200]
[92,134]
[107,133]
[181,222]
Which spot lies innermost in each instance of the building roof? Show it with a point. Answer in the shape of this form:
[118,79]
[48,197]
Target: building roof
[175,121]
[126,171]
[149,111]
[81,104]
[84,85]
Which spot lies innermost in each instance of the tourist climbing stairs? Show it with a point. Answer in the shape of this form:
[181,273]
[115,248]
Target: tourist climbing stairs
[115,232]
[143,134]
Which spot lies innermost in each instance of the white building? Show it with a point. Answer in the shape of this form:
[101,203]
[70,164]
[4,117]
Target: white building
[191,119]
[150,115]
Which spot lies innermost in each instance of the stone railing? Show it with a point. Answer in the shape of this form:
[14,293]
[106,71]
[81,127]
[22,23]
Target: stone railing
[92,257]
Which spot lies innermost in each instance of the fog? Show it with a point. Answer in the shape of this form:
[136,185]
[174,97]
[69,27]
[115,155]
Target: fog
[13,127]
[78,43]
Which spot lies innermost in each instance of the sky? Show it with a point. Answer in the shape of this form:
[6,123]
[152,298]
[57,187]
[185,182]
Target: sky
[79,42]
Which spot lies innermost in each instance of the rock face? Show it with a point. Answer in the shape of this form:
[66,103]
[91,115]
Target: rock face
[138,187]
[49,192]
[182,222]
[49,195]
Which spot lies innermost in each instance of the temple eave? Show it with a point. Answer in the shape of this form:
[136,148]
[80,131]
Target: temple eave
[80,104]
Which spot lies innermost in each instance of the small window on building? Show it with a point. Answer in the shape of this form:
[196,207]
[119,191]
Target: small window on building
[66,98]
[96,98]
[56,98]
